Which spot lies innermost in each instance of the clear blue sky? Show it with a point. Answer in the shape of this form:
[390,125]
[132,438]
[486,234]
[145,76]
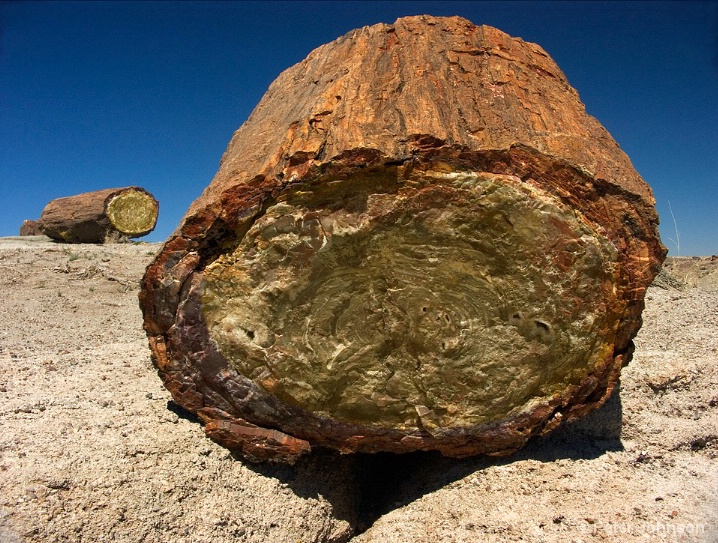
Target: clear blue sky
[96,95]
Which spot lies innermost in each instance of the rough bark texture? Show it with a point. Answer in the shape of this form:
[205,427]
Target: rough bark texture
[100,216]
[418,240]
[30,228]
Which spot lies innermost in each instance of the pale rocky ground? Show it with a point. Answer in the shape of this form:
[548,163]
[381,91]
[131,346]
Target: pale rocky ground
[92,449]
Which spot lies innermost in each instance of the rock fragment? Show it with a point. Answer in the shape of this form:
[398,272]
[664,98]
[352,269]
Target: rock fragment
[30,228]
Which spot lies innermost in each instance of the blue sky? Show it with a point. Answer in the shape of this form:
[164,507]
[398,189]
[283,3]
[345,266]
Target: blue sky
[96,95]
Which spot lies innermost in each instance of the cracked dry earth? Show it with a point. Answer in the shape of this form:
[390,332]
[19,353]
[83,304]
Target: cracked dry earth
[92,449]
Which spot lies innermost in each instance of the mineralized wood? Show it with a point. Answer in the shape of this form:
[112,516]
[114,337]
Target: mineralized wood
[100,216]
[419,240]
[30,228]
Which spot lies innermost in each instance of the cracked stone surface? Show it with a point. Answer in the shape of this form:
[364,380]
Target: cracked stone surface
[419,240]
[92,448]
[432,307]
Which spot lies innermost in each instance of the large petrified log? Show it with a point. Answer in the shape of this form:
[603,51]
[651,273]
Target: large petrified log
[418,240]
[100,216]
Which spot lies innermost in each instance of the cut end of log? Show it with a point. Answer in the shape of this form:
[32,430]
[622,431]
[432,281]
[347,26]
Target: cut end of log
[419,240]
[133,212]
[428,302]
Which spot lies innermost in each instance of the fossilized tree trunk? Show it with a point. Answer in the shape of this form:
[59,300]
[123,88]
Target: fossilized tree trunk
[30,228]
[99,216]
[418,240]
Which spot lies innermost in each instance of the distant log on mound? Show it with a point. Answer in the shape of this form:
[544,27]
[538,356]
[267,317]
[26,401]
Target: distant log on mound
[419,240]
[30,228]
[100,216]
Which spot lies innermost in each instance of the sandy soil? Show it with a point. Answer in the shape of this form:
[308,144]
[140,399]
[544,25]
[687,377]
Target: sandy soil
[93,450]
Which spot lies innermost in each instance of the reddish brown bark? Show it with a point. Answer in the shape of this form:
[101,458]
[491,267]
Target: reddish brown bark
[371,113]
[30,228]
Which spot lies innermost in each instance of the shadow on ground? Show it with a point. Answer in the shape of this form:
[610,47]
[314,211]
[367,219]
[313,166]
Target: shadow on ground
[364,487]
[388,481]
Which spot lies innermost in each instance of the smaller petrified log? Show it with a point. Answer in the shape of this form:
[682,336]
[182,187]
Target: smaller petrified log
[30,228]
[100,216]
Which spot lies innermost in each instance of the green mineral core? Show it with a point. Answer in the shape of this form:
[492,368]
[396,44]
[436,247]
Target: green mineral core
[132,212]
[445,300]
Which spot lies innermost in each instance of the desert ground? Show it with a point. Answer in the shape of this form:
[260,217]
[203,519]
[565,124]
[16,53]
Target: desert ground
[93,449]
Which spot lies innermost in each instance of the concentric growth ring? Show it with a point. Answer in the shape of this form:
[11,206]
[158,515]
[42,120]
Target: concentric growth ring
[430,305]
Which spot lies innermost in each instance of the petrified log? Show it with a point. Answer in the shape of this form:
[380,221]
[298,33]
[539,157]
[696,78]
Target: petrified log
[100,216]
[30,228]
[419,240]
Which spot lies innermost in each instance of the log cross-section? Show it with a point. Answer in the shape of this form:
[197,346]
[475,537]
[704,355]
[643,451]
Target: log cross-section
[419,240]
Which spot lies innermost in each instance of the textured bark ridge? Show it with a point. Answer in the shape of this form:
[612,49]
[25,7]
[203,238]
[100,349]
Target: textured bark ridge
[418,240]
[100,216]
